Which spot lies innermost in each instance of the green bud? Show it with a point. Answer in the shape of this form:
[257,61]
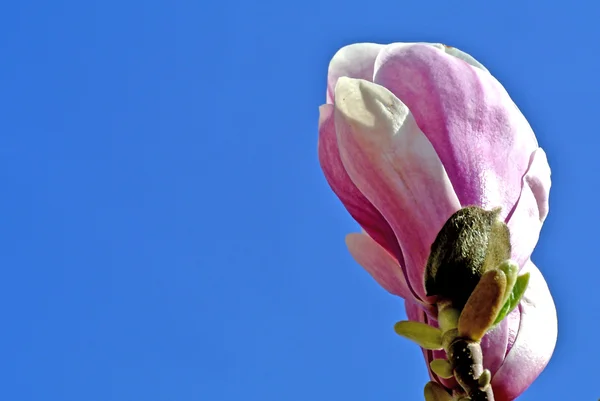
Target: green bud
[424,335]
[447,316]
[448,337]
[435,392]
[442,368]
[485,379]
[511,269]
[514,297]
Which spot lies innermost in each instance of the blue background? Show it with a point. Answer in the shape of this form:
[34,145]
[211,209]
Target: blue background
[167,234]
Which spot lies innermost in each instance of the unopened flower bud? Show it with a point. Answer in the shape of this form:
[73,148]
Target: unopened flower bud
[472,241]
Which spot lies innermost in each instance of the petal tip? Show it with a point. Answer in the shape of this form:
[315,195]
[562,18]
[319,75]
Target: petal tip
[325,111]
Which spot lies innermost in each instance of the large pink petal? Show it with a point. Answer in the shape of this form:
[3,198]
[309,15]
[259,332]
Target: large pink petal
[395,167]
[378,262]
[531,210]
[355,61]
[355,202]
[481,137]
[534,343]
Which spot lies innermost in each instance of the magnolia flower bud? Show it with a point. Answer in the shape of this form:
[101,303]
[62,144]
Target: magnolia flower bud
[411,134]
[471,242]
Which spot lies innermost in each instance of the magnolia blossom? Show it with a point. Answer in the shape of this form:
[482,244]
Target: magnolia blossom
[410,134]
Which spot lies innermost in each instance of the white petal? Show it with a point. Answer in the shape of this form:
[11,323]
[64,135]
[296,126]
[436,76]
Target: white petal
[394,165]
[354,61]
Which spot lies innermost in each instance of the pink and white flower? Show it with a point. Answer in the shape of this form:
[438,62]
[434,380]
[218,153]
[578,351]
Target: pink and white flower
[412,132]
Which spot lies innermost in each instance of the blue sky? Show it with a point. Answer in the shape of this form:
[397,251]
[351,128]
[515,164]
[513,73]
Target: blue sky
[167,234]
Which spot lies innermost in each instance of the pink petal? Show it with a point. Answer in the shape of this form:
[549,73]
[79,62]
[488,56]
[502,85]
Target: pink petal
[355,202]
[354,61]
[530,212]
[395,167]
[358,61]
[482,139]
[534,343]
[378,262]
[493,345]
[514,321]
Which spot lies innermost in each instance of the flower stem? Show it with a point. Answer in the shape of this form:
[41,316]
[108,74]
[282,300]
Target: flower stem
[466,359]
